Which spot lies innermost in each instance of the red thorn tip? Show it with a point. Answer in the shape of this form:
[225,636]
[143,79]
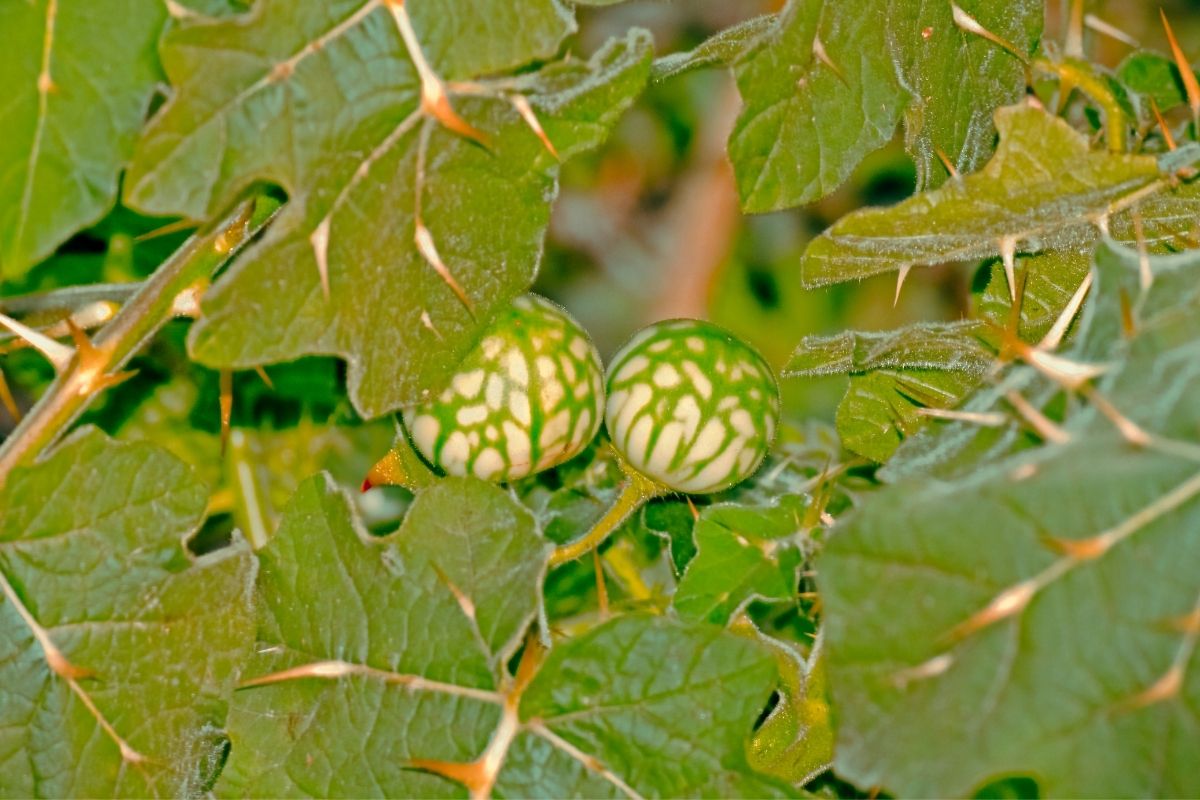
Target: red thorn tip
[367,485]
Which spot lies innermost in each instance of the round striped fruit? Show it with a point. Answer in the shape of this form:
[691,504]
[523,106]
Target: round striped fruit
[528,397]
[691,406]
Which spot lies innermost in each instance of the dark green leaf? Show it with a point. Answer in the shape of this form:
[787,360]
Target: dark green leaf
[443,599]
[1154,75]
[657,726]
[1009,592]
[78,78]
[149,639]
[722,49]
[743,553]
[830,82]
[795,743]
[323,99]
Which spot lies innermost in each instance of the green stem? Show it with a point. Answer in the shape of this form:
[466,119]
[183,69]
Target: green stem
[68,298]
[137,321]
[636,490]
[1075,73]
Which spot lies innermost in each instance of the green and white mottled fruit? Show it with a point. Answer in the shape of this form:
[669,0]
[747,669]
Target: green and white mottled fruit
[691,406]
[528,397]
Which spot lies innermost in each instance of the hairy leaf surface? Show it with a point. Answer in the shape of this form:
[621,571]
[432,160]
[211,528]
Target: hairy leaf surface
[1011,593]
[147,640]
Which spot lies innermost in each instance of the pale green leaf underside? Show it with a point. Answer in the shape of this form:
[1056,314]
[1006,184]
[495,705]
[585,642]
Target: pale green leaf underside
[1044,189]
[983,696]
[339,128]
[831,81]
[68,127]
[91,542]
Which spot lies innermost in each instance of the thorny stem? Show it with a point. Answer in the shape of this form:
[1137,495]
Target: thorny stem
[636,490]
[137,321]
[69,298]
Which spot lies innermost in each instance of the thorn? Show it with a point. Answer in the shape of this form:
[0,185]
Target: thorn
[986,419]
[1073,46]
[1041,424]
[1186,623]
[1069,374]
[1168,138]
[177,226]
[470,774]
[58,354]
[901,276]
[7,399]
[947,163]
[187,302]
[434,101]
[1008,603]
[427,321]
[922,672]
[464,602]
[1080,549]
[262,374]
[1130,431]
[330,670]
[818,50]
[319,239]
[225,402]
[601,586]
[177,11]
[1008,248]
[1145,275]
[428,249]
[692,508]
[1054,336]
[1101,223]
[1111,31]
[969,24]
[521,104]
[366,486]
[1165,688]
[1185,71]
[1128,324]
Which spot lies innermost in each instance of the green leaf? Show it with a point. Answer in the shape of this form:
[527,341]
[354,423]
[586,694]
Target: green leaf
[829,83]
[795,743]
[743,553]
[1154,75]
[442,600]
[78,79]
[895,374]
[323,98]
[1043,189]
[660,726]
[147,639]
[1010,593]
[721,49]
[1048,279]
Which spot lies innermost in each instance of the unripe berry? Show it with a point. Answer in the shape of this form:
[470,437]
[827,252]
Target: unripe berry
[691,406]
[528,397]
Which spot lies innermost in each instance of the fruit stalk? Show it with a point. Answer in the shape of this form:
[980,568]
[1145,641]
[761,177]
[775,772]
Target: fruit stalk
[635,491]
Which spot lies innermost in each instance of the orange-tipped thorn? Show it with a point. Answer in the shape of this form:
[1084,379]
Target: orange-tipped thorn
[226,406]
[1162,125]
[1190,85]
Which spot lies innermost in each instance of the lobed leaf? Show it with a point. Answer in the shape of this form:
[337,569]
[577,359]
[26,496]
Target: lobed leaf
[420,232]
[829,83]
[69,127]
[1013,594]
[1043,189]
[743,553]
[118,649]
[660,727]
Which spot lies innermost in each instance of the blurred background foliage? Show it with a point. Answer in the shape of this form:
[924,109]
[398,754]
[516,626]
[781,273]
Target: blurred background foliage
[645,228]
